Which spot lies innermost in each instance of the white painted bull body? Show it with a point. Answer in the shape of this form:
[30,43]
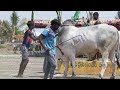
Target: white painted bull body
[87,41]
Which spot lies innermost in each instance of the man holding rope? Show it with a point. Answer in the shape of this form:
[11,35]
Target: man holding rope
[48,42]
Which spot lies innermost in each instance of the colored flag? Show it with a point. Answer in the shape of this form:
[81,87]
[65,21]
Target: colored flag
[76,15]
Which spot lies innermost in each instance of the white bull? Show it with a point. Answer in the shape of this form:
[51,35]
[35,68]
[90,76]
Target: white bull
[75,41]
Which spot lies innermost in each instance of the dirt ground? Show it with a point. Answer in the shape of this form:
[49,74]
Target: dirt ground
[9,66]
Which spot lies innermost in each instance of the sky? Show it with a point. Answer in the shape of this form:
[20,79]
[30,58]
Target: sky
[49,15]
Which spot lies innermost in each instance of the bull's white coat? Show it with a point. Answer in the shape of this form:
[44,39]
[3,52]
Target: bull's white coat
[88,40]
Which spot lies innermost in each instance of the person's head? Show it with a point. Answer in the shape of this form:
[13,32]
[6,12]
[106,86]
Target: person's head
[30,25]
[83,18]
[55,23]
[95,15]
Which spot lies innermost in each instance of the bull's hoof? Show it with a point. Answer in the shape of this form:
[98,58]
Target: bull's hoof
[65,75]
[89,60]
[112,77]
[118,67]
[100,77]
[73,76]
[19,76]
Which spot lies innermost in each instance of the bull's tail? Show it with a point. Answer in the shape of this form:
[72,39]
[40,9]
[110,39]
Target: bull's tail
[117,55]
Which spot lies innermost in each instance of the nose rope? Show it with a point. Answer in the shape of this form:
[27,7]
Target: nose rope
[64,42]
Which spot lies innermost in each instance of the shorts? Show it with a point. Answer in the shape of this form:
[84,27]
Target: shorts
[25,53]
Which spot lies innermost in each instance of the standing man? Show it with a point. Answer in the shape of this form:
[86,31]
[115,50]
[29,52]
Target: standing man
[25,46]
[48,42]
[95,21]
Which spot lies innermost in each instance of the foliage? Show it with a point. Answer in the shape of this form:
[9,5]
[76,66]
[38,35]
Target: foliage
[118,15]
[15,27]
[59,15]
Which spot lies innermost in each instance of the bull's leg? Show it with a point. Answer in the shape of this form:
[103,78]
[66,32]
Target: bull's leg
[98,55]
[113,70]
[72,59]
[73,69]
[89,57]
[66,68]
[104,63]
[113,61]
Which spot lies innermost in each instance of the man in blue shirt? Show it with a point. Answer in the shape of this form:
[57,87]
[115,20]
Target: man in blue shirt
[28,36]
[48,42]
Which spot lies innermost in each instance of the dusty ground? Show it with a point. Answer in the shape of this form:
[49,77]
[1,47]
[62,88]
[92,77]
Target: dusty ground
[9,65]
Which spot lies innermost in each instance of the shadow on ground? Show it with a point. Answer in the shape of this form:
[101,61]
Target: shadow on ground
[75,78]
[40,72]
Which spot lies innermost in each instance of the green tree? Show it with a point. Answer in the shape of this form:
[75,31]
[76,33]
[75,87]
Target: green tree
[32,16]
[1,25]
[14,21]
[17,25]
[118,15]
[59,15]
[90,15]
[23,23]
[6,31]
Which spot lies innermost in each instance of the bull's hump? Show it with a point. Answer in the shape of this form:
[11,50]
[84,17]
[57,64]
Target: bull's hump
[104,26]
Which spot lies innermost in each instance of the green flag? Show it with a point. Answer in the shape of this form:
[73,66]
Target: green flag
[32,16]
[76,15]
